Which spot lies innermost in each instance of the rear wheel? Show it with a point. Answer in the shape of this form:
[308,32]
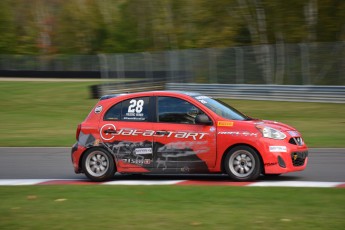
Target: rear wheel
[242,163]
[98,165]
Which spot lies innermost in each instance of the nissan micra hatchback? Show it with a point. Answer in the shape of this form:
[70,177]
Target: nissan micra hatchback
[182,132]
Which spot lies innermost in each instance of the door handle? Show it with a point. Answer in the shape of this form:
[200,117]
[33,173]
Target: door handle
[162,133]
[109,131]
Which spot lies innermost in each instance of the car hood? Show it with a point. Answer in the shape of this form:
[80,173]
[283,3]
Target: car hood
[274,124]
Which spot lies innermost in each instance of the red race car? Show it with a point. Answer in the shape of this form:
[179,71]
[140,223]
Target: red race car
[182,132]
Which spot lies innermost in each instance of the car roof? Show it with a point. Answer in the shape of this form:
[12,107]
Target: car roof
[163,92]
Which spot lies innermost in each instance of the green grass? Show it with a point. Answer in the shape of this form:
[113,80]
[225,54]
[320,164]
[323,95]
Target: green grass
[47,114]
[42,113]
[170,207]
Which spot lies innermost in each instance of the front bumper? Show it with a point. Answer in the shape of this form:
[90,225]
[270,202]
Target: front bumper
[284,158]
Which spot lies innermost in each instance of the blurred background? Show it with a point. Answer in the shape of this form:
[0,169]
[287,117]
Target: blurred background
[223,41]
[236,49]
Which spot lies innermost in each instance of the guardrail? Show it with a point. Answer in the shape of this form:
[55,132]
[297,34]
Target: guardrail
[298,93]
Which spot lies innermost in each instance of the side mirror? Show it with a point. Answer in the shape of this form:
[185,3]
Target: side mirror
[203,119]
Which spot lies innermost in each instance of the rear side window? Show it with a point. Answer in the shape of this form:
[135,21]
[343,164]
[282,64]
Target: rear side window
[114,113]
[135,109]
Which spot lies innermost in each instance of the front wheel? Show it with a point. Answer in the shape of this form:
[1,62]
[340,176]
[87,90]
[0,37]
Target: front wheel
[98,165]
[242,163]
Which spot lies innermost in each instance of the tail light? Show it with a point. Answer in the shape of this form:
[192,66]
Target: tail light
[78,132]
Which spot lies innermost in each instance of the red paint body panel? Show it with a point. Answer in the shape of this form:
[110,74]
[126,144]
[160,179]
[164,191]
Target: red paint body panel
[152,146]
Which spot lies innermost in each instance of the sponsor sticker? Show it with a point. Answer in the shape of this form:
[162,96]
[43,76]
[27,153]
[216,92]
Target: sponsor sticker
[142,151]
[201,97]
[225,123]
[276,149]
[98,109]
[136,161]
[239,133]
[135,118]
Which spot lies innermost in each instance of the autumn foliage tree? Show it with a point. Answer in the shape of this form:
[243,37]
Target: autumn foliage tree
[110,26]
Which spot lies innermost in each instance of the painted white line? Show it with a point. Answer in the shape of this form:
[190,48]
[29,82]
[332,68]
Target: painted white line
[16,182]
[300,184]
[308,184]
[143,182]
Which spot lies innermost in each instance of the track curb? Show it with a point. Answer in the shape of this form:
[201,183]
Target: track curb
[296,184]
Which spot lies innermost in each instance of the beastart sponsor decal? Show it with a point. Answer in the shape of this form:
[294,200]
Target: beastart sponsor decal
[109,131]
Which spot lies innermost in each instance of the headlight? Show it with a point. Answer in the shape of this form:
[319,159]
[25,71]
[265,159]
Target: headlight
[269,132]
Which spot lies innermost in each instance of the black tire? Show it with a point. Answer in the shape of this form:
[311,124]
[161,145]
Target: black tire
[242,163]
[98,164]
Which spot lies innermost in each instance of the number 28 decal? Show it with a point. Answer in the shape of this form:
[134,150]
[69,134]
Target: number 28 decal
[135,106]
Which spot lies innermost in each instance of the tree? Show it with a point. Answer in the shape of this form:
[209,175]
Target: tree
[7,28]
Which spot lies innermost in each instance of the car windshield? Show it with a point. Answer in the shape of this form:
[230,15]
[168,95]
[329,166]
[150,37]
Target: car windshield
[222,109]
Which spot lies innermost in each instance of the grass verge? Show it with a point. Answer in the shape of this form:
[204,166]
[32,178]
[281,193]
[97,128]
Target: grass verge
[42,113]
[170,207]
[47,114]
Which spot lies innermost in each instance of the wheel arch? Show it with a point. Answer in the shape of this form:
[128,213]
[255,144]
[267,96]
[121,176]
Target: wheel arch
[262,169]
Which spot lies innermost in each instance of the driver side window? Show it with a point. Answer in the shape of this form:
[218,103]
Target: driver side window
[175,110]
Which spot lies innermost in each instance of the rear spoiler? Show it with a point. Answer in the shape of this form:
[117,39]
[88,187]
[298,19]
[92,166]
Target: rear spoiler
[105,97]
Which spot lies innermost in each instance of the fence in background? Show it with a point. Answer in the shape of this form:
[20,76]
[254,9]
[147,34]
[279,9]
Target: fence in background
[50,63]
[289,64]
[329,94]
[267,72]
[281,64]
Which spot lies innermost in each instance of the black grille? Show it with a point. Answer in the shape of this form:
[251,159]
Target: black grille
[298,158]
[296,141]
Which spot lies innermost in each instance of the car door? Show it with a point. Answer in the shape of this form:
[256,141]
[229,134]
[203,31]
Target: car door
[179,143]
[126,131]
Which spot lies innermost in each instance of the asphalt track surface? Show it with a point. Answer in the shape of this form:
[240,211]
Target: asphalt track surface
[325,165]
